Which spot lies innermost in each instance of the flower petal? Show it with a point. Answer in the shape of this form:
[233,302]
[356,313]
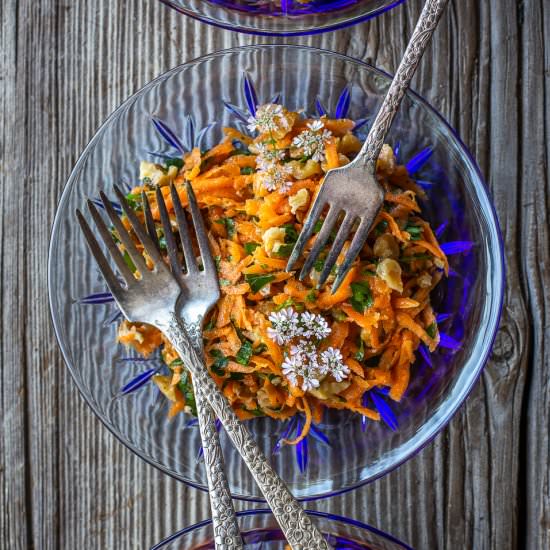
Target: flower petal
[440,229]
[342,106]
[188,133]
[250,94]
[98,298]
[319,107]
[168,135]
[317,434]
[239,113]
[425,354]
[419,160]
[117,208]
[456,247]
[200,136]
[385,412]
[139,381]
[446,341]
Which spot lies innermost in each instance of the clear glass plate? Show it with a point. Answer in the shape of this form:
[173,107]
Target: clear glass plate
[282,17]
[261,532]
[344,451]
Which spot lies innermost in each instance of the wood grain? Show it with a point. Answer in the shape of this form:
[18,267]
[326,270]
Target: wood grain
[65,482]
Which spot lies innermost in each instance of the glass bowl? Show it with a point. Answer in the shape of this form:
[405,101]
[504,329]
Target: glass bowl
[261,532]
[282,17]
[190,97]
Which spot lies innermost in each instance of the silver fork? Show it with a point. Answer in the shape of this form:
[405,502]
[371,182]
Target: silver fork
[153,298]
[199,297]
[353,189]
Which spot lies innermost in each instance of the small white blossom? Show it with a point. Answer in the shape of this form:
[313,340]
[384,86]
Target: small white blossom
[332,363]
[269,118]
[314,326]
[267,156]
[275,178]
[283,325]
[312,141]
[316,125]
[299,365]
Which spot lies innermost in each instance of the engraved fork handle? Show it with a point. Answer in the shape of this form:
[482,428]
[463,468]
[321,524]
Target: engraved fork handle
[224,521]
[419,40]
[295,524]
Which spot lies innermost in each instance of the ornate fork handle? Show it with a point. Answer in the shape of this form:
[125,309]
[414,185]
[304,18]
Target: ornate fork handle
[295,524]
[224,521]
[422,33]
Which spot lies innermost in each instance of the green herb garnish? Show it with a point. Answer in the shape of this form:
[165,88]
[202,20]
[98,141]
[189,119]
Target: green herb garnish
[362,296]
[414,231]
[260,348]
[174,161]
[258,281]
[360,353]
[381,227]
[285,250]
[134,200]
[317,226]
[186,389]
[247,170]
[287,303]
[432,330]
[250,247]
[245,353]
[224,282]
[229,224]
[218,367]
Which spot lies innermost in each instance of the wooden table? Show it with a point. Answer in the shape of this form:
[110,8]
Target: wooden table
[65,482]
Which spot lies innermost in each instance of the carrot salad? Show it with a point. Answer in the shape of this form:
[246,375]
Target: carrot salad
[277,346]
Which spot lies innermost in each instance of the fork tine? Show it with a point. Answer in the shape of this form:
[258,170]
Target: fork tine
[200,230]
[320,241]
[123,235]
[168,235]
[306,232]
[356,245]
[149,221]
[139,230]
[121,264]
[187,245]
[337,245]
[103,264]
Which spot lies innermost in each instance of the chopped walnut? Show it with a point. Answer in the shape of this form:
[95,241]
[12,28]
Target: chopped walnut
[390,272]
[386,246]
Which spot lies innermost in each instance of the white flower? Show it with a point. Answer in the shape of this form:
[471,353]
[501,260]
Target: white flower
[313,140]
[283,325]
[314,326]
[316,125]
[298,365]
[269,118]
[332,363]
[267,157]
[309,383]
[275,177]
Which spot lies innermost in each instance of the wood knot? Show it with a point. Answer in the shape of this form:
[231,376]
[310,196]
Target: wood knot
[503,348]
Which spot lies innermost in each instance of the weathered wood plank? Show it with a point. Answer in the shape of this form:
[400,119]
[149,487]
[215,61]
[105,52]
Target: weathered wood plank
[535,219]
[64,480]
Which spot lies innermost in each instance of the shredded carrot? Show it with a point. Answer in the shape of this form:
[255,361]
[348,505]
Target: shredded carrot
[253,218]
[307,424]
